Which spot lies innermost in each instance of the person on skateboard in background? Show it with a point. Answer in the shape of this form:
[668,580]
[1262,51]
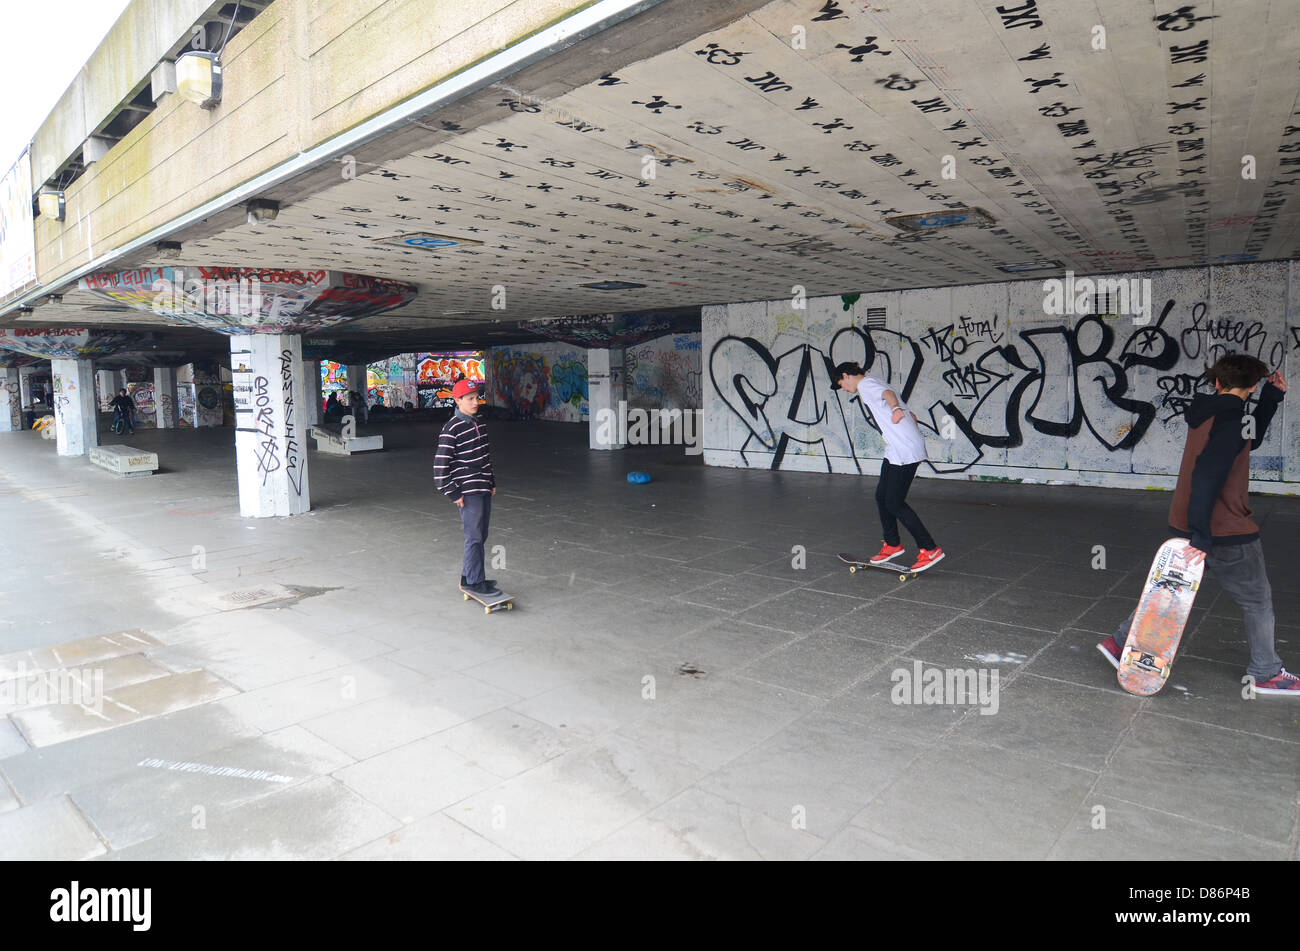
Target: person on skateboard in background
[462,471]
[1211,507]
[904,453]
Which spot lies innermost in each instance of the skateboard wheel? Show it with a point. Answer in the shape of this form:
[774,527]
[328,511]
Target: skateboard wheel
[852,568]
[487,610]
[902,578]
[510,607]
[467,597]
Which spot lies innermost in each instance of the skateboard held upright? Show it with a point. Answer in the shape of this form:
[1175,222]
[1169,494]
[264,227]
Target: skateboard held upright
[1158,623]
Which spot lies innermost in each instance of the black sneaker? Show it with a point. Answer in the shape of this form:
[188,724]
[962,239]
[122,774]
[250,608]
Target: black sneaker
[484,588]
[485,581]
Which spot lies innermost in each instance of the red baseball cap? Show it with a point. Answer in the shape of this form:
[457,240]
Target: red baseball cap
[463,388]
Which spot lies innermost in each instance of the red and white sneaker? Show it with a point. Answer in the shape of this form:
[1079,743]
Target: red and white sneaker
[887,552]
[1111,651]
[1282,682]
[928,558]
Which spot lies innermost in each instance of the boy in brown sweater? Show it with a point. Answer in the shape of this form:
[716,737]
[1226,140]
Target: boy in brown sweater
[1211,507]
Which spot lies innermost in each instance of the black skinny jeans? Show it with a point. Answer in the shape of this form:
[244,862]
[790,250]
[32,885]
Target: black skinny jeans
[891,498]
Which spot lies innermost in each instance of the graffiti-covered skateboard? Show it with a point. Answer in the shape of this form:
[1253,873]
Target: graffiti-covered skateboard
[1159,620]
[856,563]
[490,602]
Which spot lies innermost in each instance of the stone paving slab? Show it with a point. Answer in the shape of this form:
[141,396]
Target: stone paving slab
[52,830]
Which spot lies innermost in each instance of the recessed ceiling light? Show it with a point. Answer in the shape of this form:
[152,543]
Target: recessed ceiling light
[1032,266]
[612,285]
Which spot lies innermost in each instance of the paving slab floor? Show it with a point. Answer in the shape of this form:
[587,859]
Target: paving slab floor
[689,671]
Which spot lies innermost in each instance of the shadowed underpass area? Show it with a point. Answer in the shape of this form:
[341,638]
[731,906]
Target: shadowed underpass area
[690,672]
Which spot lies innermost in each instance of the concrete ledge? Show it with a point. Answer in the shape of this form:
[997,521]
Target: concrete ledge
[124,461]
[334,442]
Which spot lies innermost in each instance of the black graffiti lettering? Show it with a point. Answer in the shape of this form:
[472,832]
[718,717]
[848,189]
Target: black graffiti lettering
[1024,15]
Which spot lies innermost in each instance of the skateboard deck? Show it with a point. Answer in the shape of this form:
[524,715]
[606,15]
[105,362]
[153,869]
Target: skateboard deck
[491,602]
[1158,623]
[856,563]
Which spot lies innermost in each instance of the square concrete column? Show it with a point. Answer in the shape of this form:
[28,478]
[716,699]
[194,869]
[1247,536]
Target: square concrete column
[75,420]
[315,396]
[25,385]
[357,379]
[106,382]
[11,409]
[164,397]
[607,425]
[270,435]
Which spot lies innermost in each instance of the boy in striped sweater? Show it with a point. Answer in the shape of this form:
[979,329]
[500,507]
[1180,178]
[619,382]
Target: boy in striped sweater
[462,471]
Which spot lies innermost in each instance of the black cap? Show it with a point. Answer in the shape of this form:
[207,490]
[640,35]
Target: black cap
[850,369]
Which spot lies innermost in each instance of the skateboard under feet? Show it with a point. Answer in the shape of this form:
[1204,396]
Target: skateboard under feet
[855,563]
[490,602]
[1158,623]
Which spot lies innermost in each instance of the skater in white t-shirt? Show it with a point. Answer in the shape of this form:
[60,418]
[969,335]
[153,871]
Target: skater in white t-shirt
[904,453]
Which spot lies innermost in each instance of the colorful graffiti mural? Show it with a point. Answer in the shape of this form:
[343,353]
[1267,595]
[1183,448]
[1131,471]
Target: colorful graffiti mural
[437,373]
[547,383]
[995,382]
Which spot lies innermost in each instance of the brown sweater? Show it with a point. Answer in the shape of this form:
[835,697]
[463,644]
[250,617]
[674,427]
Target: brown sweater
[1211,504]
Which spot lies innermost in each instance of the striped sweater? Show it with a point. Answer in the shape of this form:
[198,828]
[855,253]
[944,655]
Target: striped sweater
[463,464]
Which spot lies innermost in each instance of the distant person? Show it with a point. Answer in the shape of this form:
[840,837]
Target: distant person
[409,406]
[462,471]
[333,409]
[123,408]
[1211,507]
[357,404]
[904,453]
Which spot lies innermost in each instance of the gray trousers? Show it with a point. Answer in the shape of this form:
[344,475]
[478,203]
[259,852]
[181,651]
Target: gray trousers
[474,516]
[1239,569]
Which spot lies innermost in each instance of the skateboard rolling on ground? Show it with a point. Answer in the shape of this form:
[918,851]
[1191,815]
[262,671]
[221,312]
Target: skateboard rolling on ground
[856,563]
[1159,620]
[491,602]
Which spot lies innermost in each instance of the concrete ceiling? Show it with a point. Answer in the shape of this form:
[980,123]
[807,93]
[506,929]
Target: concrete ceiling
[779,145]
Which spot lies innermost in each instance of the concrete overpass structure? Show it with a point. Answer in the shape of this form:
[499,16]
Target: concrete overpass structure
[442,174]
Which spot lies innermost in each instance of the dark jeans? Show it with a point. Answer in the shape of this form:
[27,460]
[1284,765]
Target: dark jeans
[1239,569]
[474,517]
[891,498]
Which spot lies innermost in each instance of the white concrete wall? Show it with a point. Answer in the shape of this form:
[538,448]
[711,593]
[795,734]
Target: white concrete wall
[1038,397]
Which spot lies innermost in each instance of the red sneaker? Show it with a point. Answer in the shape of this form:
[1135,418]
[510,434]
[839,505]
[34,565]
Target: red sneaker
[928,558]
[1282,682]
[1110,651]
[887,553]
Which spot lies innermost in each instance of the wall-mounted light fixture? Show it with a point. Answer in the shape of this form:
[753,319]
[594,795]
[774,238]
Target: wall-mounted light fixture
[167,250]
[198,78]
[51,202]
[262,210]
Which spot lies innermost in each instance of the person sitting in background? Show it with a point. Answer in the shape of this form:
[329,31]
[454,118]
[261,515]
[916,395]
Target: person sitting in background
[333,409]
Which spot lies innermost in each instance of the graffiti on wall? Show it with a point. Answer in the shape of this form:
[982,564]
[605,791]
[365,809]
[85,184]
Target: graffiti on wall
[551,384]
[439,372]
[1088,392]
[665,373]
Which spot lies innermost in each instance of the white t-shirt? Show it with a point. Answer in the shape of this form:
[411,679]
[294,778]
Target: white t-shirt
[904,443]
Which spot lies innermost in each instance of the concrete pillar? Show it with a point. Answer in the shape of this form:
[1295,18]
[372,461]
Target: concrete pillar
[606,424]
[164,397]
[25,385]
[76,429]
[270,436]
[11,415]
[315,394]
[106,382]
[357,379]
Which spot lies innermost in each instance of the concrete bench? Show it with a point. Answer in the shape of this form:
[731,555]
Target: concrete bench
[333,441]
[125,461]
